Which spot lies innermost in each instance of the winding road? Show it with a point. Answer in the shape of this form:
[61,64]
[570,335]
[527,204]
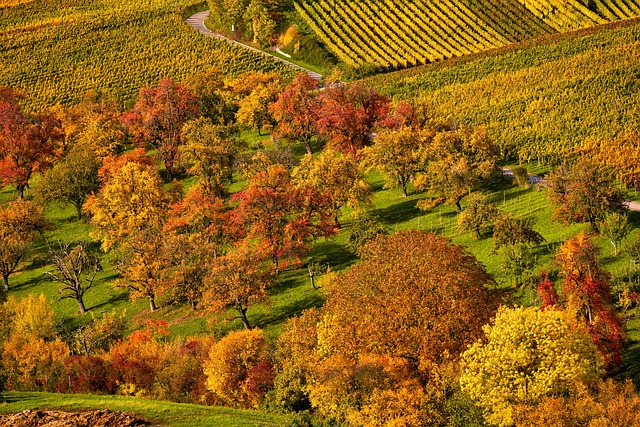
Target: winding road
[197,22]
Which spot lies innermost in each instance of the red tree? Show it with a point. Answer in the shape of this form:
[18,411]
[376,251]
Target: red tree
[348,115]
[296,110]
[158,117]
[26,142]
[284,216]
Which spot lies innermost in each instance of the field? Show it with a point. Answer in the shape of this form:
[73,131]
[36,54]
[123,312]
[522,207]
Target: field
[56,51]
[400,33]
[538,99]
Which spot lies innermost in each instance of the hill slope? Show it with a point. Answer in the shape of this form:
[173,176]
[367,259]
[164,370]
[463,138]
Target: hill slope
[54,51]
[401,33]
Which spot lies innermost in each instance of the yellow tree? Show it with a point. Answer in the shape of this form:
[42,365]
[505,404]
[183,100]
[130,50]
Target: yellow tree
[255,110]
[395,154]
[528,354]
[458,162]
[20,221]
[336,175]
[132,199]
[209,152]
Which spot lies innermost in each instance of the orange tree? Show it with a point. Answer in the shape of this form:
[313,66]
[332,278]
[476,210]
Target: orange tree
[398,319]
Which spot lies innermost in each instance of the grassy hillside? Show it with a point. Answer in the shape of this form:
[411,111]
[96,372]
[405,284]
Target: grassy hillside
[54,51]
[539,99]
[401,33]
[164,413]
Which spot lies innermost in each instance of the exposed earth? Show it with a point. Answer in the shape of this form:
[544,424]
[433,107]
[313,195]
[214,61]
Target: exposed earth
[99,418]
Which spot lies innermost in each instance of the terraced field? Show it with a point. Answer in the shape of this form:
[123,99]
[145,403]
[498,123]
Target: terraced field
[402,33]
[56,50]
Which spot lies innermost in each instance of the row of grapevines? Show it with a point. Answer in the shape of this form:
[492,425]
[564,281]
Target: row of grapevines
[74,46]
[400,33]
[539,101]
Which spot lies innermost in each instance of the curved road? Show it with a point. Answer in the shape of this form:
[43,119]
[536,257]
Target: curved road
[197,22]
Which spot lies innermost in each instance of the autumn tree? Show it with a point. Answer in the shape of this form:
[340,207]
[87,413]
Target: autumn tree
[209,151]
[158,116]
[348,115]
[606,153]
[237,280]
[144,261]
[295,111]
[395,154]
[255,109]
[200,227]
[337,176]
[234,362]
[283,216]
[262,25]
[72,179]
[20,222]
[411,306]
[528,354]
[75,268]
[26,142]
[584,192]
[132,199]
[587,295]
[478,217]
[458,162]
[214,96]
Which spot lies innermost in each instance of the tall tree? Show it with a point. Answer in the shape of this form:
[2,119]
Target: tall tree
[214,96]
[209,151]
[587,292]
[457,162]
[132,199]
[285,217]
[75,268]
[528,354]
[348,115]
[584,192]
[158,116]
[255,109]
[296,110]
[237,280]
[26,142]
[337,176]
[20,221]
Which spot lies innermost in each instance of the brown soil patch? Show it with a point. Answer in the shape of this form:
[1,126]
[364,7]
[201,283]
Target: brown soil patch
[99,418]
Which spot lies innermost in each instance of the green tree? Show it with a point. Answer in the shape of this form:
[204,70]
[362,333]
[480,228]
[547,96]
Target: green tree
[72,179]
[615,227]
[478,217]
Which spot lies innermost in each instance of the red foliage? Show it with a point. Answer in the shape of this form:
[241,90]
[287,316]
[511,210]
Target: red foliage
[348,115]
[85,374]
[548,292]
[158,117]
[259,380]
[26,142]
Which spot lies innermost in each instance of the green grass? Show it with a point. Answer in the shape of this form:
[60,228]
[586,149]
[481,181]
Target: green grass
[165,413]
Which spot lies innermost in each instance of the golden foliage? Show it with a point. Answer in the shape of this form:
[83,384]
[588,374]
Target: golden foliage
[529,353]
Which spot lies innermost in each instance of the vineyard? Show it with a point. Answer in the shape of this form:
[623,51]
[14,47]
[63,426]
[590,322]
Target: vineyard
[402,33]
[539,100]
[54,51]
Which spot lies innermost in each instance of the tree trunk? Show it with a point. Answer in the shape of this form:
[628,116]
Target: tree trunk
[403,184]
[152,303]
[169,172]
[79,210]
[20,189]
[307,145]
[243,317]
[6,283]
[458,206]
[81,306]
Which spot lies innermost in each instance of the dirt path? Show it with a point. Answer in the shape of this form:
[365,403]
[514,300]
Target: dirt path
[197,22]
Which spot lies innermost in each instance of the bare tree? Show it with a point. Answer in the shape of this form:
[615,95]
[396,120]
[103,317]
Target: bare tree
[75,269]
